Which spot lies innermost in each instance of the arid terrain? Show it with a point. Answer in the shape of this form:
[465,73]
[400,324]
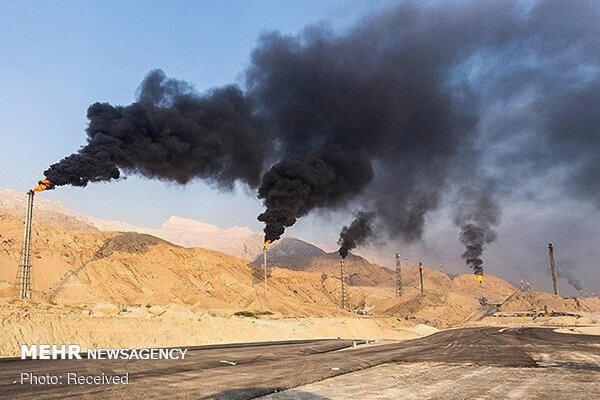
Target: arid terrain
[101,288]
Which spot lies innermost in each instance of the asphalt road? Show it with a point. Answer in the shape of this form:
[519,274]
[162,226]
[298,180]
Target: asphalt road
[264,368]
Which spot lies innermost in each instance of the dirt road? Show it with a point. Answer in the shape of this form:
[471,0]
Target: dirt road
[262,369]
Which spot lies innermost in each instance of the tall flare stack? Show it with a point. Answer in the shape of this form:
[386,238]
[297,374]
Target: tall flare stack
[343,279]
[23,281]
[265,267]
[421,276]
[553,268]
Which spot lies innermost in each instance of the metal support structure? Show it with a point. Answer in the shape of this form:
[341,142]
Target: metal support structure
[398,276]
[23,282]
[343,279]
[553,268]
[265,268]
[421,275]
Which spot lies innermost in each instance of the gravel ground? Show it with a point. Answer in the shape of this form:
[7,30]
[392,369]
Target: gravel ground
[446,381]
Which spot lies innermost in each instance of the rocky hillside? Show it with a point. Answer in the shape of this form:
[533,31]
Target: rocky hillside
[240,242]
[123,268]
[298,255]
[359,272]
[291,253]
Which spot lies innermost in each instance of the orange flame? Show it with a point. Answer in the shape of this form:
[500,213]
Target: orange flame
[480,277]
[44,184]
[267,242]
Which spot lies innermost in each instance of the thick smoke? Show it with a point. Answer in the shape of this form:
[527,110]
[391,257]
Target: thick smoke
[389,116]
[172,134]
[476,218]
[436,95]
[356,233]
[295,186]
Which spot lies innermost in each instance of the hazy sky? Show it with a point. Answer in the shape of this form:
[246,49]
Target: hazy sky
[56,58]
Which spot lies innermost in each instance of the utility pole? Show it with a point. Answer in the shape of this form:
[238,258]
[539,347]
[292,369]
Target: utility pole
[553,268]
[23,282]
[398,276]
[343,278]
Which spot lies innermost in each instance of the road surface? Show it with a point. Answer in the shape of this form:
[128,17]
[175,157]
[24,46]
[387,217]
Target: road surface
[265,368]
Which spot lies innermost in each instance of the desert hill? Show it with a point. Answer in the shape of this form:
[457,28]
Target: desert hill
[359,272]
[536,301]
[240,242]
[75,261]
[74,266]
[291,253]
[298,255]
[79,266]
[133,289]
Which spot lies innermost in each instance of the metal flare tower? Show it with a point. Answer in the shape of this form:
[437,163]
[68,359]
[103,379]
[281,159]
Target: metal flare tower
[265,268]
[553,268]
[23,282]
[398,276]
[343,278]
[421,276]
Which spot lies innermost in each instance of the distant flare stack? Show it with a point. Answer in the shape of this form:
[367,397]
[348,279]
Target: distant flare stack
[265,245]
[44,184]
[398,276]
[344,297]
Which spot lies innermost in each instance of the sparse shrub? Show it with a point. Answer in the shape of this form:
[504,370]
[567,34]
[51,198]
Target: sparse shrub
[252,314]
[244,313]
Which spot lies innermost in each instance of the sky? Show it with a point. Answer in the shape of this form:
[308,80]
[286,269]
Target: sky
[57,58]
[60,57]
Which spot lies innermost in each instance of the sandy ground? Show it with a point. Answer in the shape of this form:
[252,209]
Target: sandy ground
[101,326]
[590,319]
[443,381]
[581,330]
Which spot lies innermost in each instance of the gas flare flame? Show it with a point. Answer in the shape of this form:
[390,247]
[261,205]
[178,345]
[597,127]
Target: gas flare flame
[267,243]
[479,275]
[44,184]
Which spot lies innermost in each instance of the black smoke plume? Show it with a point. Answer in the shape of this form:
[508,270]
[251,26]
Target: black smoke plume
[171,133]
[416,100]
[437,94]
[476,219]
[295,186]
[356,233]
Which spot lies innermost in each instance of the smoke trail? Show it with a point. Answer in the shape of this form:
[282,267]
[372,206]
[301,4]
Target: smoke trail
[295,186]
[414,101]
[435,94]
[172,134]
[476,220]
[574,282]
[356,233]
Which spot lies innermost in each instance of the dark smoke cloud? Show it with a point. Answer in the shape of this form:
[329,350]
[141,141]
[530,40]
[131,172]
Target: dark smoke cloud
[172,134]
[295,186]
[476,218]
[437,95]
[356,233]
[389,116]
[574,282]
